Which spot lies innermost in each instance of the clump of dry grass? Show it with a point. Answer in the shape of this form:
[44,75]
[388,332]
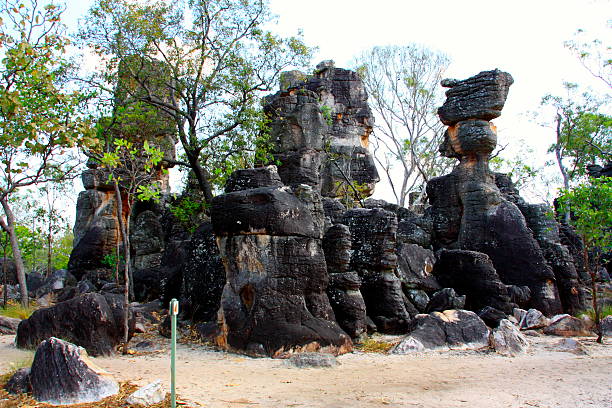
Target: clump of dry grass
[114,401]
[16,310]
[374,345]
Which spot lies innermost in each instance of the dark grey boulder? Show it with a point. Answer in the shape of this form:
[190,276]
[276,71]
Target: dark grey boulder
[451,329]
[274,300]
[472,274]
[203,276]
[62,374]
[19,383]
[8,265]
[264,210]
[415,267]
[93,321]
[445,299]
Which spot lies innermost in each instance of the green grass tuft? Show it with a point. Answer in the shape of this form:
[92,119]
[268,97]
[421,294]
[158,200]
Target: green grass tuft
[16,311]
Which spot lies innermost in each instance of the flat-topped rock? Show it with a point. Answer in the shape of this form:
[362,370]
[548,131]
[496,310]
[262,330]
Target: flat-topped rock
[479,97]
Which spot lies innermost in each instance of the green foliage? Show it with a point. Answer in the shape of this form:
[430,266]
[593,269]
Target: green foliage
[326,111]
[39,117]
[187,210]
[606,310]
[218,59]
[591,208]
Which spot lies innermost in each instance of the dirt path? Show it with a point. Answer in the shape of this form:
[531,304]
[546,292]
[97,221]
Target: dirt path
[543,378]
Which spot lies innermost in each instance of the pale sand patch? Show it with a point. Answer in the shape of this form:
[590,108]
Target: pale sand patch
[543,378]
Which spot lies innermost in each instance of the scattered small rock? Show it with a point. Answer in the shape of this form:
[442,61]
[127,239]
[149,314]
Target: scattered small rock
[8,325]
[19,383]
[507,340]
[312,360]
[148,395]
[567,326]
[571,346]
[606,325]
[533,319]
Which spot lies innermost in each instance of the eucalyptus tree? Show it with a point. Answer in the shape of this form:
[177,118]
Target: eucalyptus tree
[218,59]
[40,118]
[403,83]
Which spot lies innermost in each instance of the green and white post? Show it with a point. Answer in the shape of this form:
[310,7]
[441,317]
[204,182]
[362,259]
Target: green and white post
[174,309]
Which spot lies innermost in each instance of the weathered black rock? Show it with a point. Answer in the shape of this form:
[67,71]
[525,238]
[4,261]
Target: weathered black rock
[247,179]
[546,230]
[472,274]
[445,299]
[343,290]
[451,329]
[8,265]
[373,235]
[491,316]
[274,300]
[203,276]
[320,125]
[60,279]
[468,209]
[264,210]
[415,266]
[19,383]
[480,97]
[147,240]
[93,321]
[62,374]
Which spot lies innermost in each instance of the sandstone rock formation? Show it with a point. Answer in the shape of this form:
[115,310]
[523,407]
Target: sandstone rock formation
[469,211]
[274,300]
[96,229]
[320,125]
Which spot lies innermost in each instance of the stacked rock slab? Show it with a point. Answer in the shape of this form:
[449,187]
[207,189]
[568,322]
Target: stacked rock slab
[274,301]
[373,234]
[344,283]
[469,212]
[320,126]
[96,229]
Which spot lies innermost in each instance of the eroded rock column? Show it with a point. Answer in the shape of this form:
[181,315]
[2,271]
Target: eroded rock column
[469,212]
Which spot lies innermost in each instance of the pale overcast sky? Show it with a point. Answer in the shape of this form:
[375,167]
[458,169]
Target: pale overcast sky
[522,37]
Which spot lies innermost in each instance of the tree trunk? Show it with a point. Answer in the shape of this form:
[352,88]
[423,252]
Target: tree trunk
[126,249]
[562,169]
[49,248]
[593,274]
[4,274]
[9,227]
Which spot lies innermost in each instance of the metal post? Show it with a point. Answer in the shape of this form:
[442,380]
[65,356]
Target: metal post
[174,308]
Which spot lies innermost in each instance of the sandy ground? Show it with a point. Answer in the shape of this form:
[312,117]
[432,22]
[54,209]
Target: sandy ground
[543,378]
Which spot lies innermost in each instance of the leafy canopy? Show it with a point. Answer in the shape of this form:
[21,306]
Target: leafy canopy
[216,60]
